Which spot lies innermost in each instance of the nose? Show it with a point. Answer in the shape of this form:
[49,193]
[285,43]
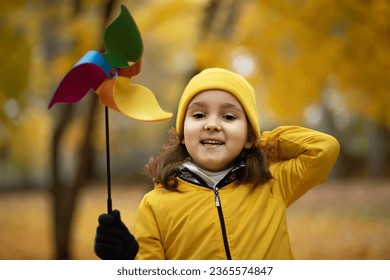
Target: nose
[212,125]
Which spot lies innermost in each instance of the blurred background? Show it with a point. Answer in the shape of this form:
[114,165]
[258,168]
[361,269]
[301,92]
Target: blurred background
[322,64]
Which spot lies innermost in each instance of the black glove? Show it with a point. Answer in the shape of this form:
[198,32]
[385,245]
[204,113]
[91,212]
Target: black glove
[113,241]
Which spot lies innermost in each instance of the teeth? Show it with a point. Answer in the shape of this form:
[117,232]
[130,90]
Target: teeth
[212,142]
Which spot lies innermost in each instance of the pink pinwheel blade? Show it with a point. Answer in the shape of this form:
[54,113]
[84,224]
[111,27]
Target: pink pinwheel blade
[77,83]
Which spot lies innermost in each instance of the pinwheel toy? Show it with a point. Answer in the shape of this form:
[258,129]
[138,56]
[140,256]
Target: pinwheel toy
[109,76]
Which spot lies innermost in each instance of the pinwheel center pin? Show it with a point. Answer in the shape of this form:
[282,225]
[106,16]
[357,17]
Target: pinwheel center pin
[112,73]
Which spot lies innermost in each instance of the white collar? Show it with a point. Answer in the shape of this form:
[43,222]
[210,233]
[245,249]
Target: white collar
[211,178]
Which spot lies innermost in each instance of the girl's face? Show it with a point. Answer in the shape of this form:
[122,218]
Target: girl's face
[215,130]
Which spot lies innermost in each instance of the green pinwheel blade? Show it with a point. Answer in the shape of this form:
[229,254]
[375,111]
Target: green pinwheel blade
[122,41]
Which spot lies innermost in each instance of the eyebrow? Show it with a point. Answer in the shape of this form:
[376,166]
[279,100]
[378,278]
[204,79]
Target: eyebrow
[226,105]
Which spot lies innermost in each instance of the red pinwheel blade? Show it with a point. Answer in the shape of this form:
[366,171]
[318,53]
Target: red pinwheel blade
[77,83]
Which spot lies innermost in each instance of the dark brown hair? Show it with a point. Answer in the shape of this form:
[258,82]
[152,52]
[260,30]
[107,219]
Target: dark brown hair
[162,169]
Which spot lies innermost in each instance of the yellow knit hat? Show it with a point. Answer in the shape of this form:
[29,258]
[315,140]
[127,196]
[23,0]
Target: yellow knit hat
[217,78]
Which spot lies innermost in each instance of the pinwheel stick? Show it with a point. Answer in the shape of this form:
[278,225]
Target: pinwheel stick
[109,201]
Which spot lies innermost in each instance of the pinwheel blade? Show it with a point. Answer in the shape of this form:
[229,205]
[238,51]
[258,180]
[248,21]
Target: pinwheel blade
[137,102]
[123,43]
[105,92]
[77,83]
[88,73]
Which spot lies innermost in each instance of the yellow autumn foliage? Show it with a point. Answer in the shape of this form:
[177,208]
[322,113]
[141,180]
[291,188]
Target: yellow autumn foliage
[300,45]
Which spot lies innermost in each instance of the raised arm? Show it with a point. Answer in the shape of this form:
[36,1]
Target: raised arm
[304,159]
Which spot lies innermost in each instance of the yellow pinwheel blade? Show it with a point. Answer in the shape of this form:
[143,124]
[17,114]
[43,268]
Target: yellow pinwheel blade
[137,102]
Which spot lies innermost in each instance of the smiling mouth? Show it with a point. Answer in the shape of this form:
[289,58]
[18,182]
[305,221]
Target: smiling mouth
[212,142]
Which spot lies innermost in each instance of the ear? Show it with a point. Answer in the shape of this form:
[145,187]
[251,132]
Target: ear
[251,139]
[248,144]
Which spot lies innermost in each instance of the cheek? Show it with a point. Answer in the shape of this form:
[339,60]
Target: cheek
[239,134]
[190,127]
[188,131]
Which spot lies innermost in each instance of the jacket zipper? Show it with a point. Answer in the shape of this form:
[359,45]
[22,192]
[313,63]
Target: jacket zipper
[220,213]
[222,222]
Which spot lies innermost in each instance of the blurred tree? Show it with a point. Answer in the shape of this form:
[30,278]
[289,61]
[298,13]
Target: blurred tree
[15,61]
[298,47]
[293,51]
[14,72]
[65,195]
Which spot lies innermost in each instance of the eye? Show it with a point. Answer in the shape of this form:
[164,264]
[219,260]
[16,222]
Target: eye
[198,115]
[229,117]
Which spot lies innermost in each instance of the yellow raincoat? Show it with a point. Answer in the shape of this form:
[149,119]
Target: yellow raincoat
[241,222]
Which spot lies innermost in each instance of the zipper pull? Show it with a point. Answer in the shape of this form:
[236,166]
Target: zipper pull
[217,202]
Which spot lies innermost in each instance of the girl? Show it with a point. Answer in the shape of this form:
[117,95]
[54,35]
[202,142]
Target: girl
[221,186]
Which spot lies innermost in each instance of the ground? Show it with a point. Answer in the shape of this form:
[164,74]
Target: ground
[343,219]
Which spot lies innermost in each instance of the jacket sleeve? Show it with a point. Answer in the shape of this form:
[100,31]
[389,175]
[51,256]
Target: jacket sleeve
[147,233]
[305,159]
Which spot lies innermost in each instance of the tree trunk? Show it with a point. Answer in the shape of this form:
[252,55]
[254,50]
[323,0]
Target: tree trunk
[65,196]
[377,149]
